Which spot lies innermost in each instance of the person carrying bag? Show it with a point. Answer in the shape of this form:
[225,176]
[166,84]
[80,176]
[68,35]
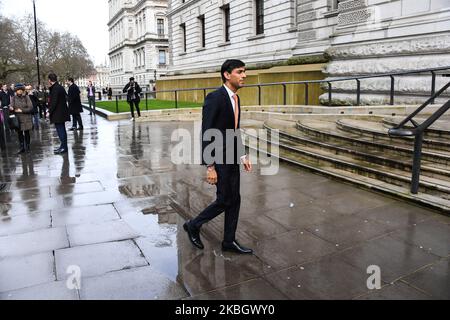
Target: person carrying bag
[22,107]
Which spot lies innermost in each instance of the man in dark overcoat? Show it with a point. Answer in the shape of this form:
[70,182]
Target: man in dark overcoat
[75,107]
[59,112]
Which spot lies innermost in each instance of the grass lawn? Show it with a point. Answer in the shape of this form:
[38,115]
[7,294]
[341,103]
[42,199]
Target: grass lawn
[152,105]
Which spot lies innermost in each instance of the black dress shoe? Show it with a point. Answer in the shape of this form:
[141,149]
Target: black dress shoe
[72,129]
[80,128]
[61,151]
[194,235]
[236,248]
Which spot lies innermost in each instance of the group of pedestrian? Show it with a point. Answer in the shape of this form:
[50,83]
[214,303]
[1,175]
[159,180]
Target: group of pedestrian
[22,107]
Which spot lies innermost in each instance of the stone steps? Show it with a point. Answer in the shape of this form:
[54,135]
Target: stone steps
[401,178]
[440,129]
[367,182]
[374,129]
[329,131]
[360,151]
[401,162]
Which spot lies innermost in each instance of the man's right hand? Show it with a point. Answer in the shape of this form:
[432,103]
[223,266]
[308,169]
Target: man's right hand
[211,176]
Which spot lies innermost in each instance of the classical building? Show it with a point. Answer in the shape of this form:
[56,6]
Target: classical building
[356,37]
[100,79]
[139,44]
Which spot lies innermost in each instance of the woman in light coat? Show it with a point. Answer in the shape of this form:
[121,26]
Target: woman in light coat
[22,107]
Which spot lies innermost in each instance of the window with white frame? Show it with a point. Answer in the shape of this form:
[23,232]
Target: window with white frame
[226,22]
[201,20]
[162,57]
[160,27]
[259,10]
[183,36]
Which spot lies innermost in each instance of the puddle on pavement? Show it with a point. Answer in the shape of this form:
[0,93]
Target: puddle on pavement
[159,241]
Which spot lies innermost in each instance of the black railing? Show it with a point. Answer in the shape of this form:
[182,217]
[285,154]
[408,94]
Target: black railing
[418,132]
[328,82]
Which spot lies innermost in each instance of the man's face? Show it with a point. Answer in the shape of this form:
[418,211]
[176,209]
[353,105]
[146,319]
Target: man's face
[237,77]
[4,87]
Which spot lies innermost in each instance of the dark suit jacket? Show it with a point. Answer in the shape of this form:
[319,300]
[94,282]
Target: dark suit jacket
[5,98]
[218,114]
[130,92]
[93,91]
[74,100]
[59,113]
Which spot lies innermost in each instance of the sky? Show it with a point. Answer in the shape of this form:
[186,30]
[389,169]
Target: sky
[85,18]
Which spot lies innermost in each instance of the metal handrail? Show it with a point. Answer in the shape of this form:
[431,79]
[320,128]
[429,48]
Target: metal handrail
[306,83]
[418,133]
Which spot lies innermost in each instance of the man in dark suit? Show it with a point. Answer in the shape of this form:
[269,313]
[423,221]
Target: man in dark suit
[133,90]
[75,107]
[221,119]
[59,113]
[91,97]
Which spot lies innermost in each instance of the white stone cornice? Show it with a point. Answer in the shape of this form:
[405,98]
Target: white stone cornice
[424,45]
[181,7]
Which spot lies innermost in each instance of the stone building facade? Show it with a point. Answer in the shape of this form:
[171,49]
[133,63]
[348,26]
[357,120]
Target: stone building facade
[359,36]
[139,44]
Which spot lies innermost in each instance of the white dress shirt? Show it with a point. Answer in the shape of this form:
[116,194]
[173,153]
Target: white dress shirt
[231,94]
[233,103]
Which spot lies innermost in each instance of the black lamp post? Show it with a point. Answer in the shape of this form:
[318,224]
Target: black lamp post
[37,47]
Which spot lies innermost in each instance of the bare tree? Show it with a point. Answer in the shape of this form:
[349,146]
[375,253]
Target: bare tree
[62,53]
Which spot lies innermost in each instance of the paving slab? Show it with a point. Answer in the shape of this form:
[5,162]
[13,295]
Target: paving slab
[398,215]
[84,234]
[98,259]
[28,271]
[327,279]
[56,290]
[434,280]
[76,188]
[137,284]
[348,231]
[397,291]
[84,215]
[293,248]
[257,289]
[10,225]
[33,242]
[395,258]
[432,236]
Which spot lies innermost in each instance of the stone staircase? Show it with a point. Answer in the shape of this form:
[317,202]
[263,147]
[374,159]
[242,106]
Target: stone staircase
[357,149]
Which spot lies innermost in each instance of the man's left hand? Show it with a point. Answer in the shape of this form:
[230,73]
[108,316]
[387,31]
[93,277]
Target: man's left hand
[247,164]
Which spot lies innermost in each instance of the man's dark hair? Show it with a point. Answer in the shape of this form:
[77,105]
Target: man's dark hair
[52,77]
[229,66]
[132,79]
[71,80]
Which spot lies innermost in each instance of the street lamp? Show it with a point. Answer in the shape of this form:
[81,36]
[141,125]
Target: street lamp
[37,47]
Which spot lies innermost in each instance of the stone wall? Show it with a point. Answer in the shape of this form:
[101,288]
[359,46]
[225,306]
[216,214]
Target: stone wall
[249,96]
[375,37]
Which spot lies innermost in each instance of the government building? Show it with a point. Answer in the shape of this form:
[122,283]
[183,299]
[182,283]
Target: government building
[283,40]
[139,44]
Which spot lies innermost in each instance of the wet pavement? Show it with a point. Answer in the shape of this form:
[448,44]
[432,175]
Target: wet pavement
[113,210]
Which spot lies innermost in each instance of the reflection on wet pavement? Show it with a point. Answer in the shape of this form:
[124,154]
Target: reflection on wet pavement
[115,206]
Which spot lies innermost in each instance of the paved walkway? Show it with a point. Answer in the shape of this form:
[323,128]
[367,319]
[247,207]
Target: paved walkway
[113,208]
